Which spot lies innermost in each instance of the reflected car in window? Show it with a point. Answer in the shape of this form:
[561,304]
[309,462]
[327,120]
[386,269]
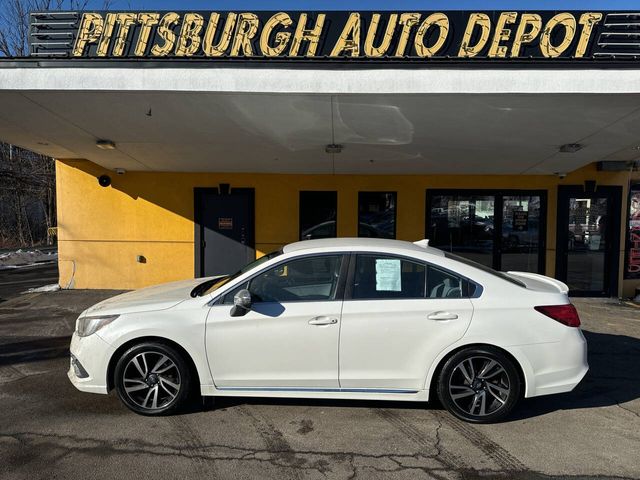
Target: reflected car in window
[348,318]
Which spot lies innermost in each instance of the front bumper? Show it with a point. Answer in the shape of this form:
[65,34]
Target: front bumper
[93,354]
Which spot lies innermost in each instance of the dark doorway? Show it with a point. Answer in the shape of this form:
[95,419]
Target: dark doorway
[588,240]
[224,230]
[504,230]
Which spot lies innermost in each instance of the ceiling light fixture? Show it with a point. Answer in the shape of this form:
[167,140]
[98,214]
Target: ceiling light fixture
[333,148]
[570,147]
[105,145]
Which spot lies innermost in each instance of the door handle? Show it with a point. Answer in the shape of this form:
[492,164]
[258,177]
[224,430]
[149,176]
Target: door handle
[442,316]
[323,321]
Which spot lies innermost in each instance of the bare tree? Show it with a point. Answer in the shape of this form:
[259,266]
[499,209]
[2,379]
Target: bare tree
[27,179]
[27,197]
[14,21]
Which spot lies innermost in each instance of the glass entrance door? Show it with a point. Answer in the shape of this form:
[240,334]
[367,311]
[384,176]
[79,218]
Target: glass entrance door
[503,230]
[588,240]
[521,239]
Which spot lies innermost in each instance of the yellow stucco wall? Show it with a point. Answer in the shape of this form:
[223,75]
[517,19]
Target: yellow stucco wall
[102,230]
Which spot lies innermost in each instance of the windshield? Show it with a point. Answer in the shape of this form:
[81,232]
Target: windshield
[214,284]
[484,268]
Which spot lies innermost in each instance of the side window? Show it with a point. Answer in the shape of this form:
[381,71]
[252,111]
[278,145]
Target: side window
[443,284]
[378,277]
[304,279]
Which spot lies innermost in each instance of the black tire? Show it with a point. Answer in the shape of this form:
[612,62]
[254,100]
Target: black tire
[479,385]
[152,378]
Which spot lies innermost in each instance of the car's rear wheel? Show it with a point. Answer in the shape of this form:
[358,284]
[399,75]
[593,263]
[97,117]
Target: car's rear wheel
[152,378]
[479,385]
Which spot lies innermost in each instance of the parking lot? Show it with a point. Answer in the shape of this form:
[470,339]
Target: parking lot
[50,430]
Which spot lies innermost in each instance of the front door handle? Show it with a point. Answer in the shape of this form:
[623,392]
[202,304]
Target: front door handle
[323,321]
[442,316]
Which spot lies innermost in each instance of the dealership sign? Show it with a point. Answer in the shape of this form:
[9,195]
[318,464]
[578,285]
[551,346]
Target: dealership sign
[531,36]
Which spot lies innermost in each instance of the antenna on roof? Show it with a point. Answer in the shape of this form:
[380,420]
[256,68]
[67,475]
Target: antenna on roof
[424,243]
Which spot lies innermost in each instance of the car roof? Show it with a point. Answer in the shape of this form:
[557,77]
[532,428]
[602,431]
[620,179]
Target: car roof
[361,244]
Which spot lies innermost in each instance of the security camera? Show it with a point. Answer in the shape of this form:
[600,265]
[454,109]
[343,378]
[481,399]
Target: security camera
[104,180]
[561,175]
[120,171]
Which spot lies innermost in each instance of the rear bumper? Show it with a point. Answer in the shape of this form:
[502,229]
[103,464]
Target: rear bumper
[554,367]
[93,354]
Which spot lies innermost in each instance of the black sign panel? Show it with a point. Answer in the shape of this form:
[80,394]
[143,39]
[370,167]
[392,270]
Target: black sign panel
[386,36]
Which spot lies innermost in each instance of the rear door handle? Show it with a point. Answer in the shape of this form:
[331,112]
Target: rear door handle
[323,321]
[442,316]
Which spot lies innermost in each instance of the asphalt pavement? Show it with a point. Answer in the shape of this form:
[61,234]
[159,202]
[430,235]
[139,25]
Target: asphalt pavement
[13,281]
[50,430]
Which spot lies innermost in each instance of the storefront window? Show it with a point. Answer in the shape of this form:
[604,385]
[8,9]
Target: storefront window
[501,231]
[318,215]
[377,214]
[464,225]
[632,264]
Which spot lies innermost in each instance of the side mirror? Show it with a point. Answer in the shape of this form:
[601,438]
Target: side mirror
[241,303]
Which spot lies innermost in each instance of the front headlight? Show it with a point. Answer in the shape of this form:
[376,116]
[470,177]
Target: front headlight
[89,325]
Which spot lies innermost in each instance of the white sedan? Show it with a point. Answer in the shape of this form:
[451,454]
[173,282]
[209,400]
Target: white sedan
[344,318]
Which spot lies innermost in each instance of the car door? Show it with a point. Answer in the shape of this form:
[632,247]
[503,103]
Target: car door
[289,337]
[398,315]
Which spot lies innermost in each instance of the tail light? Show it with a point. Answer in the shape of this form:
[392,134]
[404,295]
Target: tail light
[565,314]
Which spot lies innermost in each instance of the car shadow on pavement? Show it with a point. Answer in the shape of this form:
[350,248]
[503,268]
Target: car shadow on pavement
[30,349]
[613,378]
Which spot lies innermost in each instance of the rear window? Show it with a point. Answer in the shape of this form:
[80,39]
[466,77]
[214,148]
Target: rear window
[485,269]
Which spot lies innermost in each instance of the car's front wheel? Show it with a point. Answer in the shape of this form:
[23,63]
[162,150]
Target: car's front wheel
[479,385]
[152,378]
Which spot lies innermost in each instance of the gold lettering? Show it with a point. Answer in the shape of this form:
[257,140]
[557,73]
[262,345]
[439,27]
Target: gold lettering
[189,39]
[211,50]
[523,35]
[369,49]
[349,40]
[312,35]
[281,39]
[588,21]
[245,31]
[568,21]
[442,22]
[125,20]
[107,32]
[502,34]
[165,31]
[407,20]
[89,32]
[475,19]
[146,21]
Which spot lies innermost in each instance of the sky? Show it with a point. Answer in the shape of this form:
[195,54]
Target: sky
[398,5]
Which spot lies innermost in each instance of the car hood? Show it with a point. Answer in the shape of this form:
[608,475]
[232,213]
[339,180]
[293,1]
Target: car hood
[158,297]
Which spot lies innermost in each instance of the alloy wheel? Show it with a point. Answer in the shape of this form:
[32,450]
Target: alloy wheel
[479,386]
[151,380]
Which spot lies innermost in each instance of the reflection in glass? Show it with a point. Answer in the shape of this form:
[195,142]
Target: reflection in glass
[520,233]
[463,224]
[377,214]
[318,212]
[587,238]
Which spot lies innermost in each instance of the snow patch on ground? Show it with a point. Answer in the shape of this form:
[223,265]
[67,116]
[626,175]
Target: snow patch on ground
[54,287]
[24,258]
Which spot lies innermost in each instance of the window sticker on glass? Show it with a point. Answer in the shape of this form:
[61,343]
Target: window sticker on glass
[388,275]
